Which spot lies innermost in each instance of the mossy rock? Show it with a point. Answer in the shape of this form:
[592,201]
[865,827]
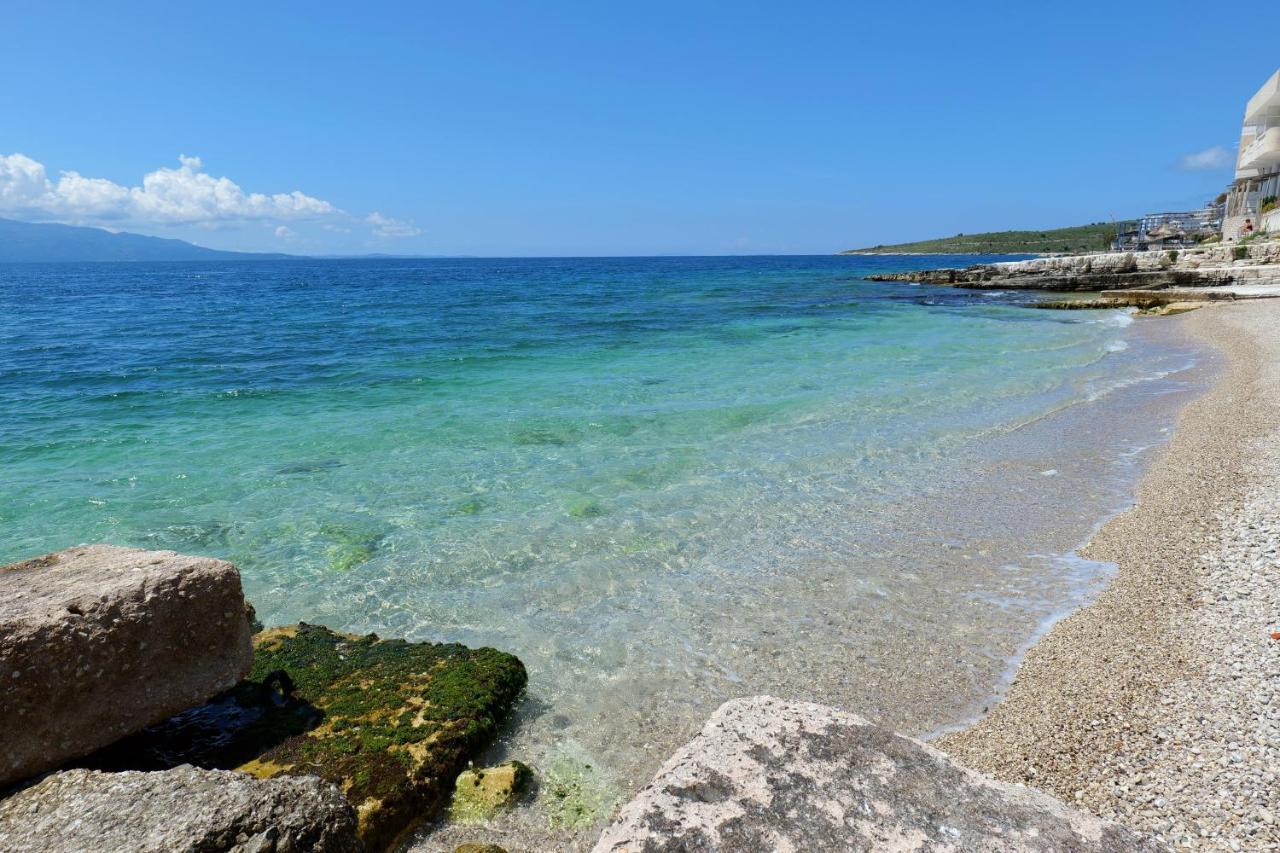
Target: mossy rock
[479,794]
[392,723]
[474,847]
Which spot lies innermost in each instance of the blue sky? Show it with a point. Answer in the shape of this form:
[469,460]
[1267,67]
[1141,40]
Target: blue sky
[598,128]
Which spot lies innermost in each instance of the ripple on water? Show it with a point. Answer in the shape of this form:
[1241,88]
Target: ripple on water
[661,482]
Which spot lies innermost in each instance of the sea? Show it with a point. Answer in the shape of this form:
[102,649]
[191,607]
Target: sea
[661,482]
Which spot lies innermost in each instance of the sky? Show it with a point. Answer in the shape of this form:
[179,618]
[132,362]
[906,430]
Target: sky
[505,129]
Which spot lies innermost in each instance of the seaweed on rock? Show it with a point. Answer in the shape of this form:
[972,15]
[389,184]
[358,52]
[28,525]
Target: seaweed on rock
[392,723]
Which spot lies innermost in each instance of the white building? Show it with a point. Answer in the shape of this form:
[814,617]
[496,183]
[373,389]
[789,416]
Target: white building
[1254,194]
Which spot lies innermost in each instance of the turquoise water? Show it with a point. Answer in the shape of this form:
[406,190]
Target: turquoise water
[659,481]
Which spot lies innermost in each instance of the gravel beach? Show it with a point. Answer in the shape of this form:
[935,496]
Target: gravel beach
[1159,704]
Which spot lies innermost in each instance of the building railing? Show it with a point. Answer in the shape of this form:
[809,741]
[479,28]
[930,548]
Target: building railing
[1263,139]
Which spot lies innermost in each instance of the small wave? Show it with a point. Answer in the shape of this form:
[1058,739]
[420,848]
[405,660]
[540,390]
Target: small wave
[1119,319]
[1127,382]
[1117,346]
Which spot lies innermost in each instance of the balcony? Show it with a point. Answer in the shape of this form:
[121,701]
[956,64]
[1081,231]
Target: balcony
[1264,152]
[1265,101]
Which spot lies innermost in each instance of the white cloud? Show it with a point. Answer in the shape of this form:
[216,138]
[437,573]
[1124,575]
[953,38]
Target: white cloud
[284,232]
[1216,157]
[385,226]
[183,196]
[22,182]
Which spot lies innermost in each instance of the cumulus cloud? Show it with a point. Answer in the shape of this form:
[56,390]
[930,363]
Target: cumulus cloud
[1216,157]
[186,195]
[284,232]
[385,226]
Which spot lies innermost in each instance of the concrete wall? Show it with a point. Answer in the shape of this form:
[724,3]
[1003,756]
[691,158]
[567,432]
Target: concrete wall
[1271,221]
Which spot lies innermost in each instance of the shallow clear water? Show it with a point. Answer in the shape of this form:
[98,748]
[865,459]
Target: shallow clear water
[661,482]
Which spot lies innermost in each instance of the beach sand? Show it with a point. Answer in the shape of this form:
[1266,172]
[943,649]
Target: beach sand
[1159,704]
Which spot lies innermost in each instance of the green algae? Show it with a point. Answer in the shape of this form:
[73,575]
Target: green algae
[347,556]
[399,719]
[479,794]
[349,547]
[392,723]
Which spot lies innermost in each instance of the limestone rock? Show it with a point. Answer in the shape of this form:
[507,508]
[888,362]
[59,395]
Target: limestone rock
[184,809]
[1090,272]
[97,642]
[771,775]
[480,793]
[391,723]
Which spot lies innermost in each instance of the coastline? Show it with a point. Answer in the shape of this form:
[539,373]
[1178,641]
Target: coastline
[861,253]
[1155,704]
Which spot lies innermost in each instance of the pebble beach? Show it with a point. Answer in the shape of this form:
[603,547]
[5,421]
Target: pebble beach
[1158,705]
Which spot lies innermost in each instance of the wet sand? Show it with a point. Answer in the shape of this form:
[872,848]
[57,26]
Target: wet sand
[1159,703]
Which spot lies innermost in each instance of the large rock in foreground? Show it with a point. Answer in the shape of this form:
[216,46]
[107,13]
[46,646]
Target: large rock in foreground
[97,642]
[391,723]
[771,775]
[184,809]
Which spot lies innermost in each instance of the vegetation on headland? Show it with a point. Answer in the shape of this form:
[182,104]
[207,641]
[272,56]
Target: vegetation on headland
[1080,238]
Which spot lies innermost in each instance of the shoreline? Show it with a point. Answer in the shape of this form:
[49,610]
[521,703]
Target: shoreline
[1202,376]
[1154,704]
[1129,405]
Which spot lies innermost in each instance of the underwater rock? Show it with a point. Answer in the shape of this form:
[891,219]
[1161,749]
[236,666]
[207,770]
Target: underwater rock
[574,790]
[184,809]
[479,794]
[771,775]
[391,723]
[583,506]
[349,543]
[97,642]
[472,506]
[474,847]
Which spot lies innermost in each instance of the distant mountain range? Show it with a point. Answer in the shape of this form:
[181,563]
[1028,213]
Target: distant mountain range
[31,242]
[42,243]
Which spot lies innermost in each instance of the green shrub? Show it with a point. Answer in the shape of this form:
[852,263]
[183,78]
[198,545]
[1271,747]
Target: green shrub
[1239,253]
[1173,256]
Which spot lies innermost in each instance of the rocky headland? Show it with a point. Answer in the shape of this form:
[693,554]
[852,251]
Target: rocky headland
[1198,273]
